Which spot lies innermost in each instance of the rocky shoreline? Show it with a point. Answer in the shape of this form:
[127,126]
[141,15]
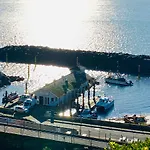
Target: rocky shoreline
[101,61]
[6,80]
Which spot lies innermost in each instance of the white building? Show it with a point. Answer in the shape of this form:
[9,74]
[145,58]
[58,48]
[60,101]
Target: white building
[64,89]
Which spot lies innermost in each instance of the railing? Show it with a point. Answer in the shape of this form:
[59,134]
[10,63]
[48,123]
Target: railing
[31,125]
[91,135]
[27,128]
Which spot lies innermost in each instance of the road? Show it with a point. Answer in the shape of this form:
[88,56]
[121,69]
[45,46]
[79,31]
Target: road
[102,131]
[88,135]
[54,136]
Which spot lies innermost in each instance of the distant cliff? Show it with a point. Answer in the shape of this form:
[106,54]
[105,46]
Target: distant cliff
[125,63]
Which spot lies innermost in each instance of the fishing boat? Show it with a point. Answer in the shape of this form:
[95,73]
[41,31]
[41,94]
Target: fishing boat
[104,104]
[134,119]
[12,96]
[9,97]
[118,80]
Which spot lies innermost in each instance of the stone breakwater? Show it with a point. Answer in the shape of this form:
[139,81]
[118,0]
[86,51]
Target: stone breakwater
[6,80]
[102,61]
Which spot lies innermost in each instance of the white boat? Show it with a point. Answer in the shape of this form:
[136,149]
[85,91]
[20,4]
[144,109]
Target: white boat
[118,80]
[104,104]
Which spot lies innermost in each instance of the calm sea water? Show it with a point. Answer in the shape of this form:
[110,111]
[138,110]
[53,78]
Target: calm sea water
[95,25]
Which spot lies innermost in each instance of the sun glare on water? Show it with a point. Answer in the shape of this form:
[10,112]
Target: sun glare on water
[56,23]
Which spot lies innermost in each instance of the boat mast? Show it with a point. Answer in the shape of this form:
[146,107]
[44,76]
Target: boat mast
[26,84]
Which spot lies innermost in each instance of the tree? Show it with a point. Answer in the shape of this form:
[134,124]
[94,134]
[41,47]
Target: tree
[139,145]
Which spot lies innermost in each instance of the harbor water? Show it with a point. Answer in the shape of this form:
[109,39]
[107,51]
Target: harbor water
[97,25]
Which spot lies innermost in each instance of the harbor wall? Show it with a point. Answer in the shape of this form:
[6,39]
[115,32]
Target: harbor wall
[6,110]
[101,61]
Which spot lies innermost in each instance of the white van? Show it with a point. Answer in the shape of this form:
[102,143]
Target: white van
[28,103]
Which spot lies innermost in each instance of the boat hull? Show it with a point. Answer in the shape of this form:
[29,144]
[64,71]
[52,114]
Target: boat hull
[104,104]
[105,108]
[116,82]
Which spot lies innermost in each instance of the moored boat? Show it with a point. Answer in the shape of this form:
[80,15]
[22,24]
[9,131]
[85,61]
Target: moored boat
[9,97]
[118,80]
[12,96]
[104,104]
[134,119]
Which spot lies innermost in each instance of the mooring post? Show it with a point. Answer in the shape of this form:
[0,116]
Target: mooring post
[89,98]
[71,101]
[70,109]
[77,105]
[83,94]
[26,87]
[94,93]
[63,108]
[139,70]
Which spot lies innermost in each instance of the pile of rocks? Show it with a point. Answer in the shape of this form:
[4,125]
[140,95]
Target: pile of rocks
[6,80]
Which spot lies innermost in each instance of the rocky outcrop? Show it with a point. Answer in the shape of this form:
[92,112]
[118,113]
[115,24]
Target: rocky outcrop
[4,80]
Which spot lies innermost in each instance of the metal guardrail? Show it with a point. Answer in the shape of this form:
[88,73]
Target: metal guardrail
[31,125]
[91,134]
[49,132]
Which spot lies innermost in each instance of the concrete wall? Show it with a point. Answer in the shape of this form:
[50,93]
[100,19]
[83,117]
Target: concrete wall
[107,123]
[7,110]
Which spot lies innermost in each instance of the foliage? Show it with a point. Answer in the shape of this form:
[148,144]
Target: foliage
[140,145]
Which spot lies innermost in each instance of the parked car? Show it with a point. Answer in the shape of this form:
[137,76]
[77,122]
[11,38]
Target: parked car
[28,103]
[20,109]
[23,97]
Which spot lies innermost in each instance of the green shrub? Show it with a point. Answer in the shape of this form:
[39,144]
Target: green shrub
[140,145]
